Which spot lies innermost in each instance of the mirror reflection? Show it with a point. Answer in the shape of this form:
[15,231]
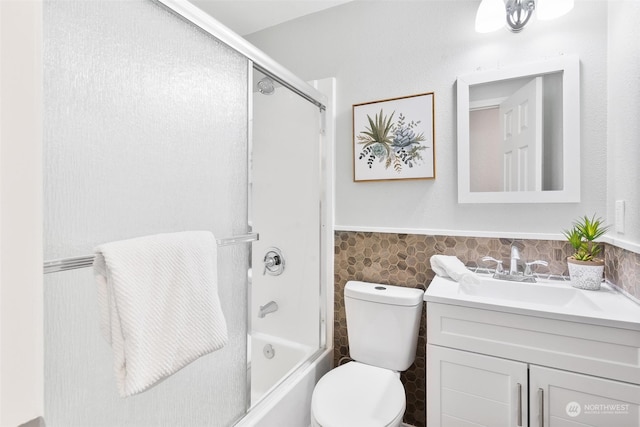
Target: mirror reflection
[515,134]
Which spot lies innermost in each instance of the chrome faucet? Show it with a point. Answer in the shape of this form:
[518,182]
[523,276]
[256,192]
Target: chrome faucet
[526,275]
[269,307]
[515,257]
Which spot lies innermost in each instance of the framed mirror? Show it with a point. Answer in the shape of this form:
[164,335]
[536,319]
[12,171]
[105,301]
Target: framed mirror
[519,133]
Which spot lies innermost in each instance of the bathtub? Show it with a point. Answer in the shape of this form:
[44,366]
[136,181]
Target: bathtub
[272,359]
[278,401]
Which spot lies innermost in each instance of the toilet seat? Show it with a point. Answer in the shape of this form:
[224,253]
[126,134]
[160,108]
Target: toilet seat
[358,395]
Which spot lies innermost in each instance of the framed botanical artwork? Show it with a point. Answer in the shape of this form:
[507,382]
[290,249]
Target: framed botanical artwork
[394,139]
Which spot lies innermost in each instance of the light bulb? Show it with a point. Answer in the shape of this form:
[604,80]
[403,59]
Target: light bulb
[491,16]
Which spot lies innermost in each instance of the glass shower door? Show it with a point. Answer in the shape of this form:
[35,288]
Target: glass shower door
[145,133]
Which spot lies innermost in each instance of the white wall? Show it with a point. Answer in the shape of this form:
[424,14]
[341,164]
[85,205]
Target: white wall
[21,347]
[385,49]
[623,139]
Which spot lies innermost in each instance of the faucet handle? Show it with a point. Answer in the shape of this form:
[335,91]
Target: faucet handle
[527,269]
[499,269]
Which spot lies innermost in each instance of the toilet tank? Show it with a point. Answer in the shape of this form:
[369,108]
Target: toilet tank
[383,323]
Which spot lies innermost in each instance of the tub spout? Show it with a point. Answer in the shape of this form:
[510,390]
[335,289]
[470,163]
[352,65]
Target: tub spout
[269,307]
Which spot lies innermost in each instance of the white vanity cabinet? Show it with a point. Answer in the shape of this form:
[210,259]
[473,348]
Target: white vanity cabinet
[487,367]
[567,399]
[470,389]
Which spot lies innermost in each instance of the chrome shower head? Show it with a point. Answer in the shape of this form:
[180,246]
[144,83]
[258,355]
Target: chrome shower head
[266,86]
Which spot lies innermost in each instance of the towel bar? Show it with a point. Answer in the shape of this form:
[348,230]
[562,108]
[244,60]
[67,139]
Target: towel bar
[72,263]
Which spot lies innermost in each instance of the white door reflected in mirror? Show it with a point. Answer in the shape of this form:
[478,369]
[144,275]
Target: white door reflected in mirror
[521,125]
[506,141]
[517,129]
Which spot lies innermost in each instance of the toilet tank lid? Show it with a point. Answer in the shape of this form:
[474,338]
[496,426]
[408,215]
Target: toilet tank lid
[386,294]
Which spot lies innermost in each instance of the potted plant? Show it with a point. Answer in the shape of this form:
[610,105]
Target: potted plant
[585,267]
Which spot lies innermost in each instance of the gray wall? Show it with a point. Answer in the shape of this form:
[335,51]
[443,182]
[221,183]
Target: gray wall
[384,49]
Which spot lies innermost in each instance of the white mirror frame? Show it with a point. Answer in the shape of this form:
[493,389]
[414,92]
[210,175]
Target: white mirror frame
[570,66]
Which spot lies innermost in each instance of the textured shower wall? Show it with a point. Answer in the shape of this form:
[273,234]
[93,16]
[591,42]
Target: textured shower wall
[145,132]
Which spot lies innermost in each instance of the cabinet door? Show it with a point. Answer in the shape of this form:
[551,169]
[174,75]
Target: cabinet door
[565,399]
[466,389]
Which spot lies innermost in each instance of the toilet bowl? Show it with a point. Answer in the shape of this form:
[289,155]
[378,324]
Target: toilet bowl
[382,325]
[358,395]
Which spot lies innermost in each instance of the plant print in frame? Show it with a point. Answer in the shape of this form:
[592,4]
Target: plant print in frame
[394,139]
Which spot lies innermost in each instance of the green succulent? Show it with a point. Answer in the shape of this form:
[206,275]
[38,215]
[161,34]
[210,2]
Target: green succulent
[582,235]
[379,130]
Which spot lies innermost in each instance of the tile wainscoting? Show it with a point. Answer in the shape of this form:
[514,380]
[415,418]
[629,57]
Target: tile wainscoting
[622,268]
[403,260]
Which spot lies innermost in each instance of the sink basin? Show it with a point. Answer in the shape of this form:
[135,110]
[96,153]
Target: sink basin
[530,293]
[546,298]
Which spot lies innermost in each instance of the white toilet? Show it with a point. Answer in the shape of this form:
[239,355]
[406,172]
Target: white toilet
[382,324]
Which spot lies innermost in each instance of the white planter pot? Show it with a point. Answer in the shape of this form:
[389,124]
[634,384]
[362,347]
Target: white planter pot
[586,274]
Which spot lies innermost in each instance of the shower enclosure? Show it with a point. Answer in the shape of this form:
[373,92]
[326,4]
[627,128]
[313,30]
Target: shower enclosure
[285,207]
[153,125]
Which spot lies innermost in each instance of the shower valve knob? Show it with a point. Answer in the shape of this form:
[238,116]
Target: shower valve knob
[273,262]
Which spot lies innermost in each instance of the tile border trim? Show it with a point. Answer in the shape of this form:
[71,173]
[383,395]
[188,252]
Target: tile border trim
[612,240]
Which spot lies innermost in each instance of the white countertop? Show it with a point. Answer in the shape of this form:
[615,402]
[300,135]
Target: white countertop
[548,299]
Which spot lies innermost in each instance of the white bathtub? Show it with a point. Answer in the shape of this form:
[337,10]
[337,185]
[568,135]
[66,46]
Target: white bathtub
[286,402]
[267,373]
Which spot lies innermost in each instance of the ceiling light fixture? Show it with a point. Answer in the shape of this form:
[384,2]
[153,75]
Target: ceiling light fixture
[492,13]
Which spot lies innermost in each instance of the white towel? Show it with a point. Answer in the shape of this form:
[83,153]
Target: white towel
[451,266]
[159,305]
